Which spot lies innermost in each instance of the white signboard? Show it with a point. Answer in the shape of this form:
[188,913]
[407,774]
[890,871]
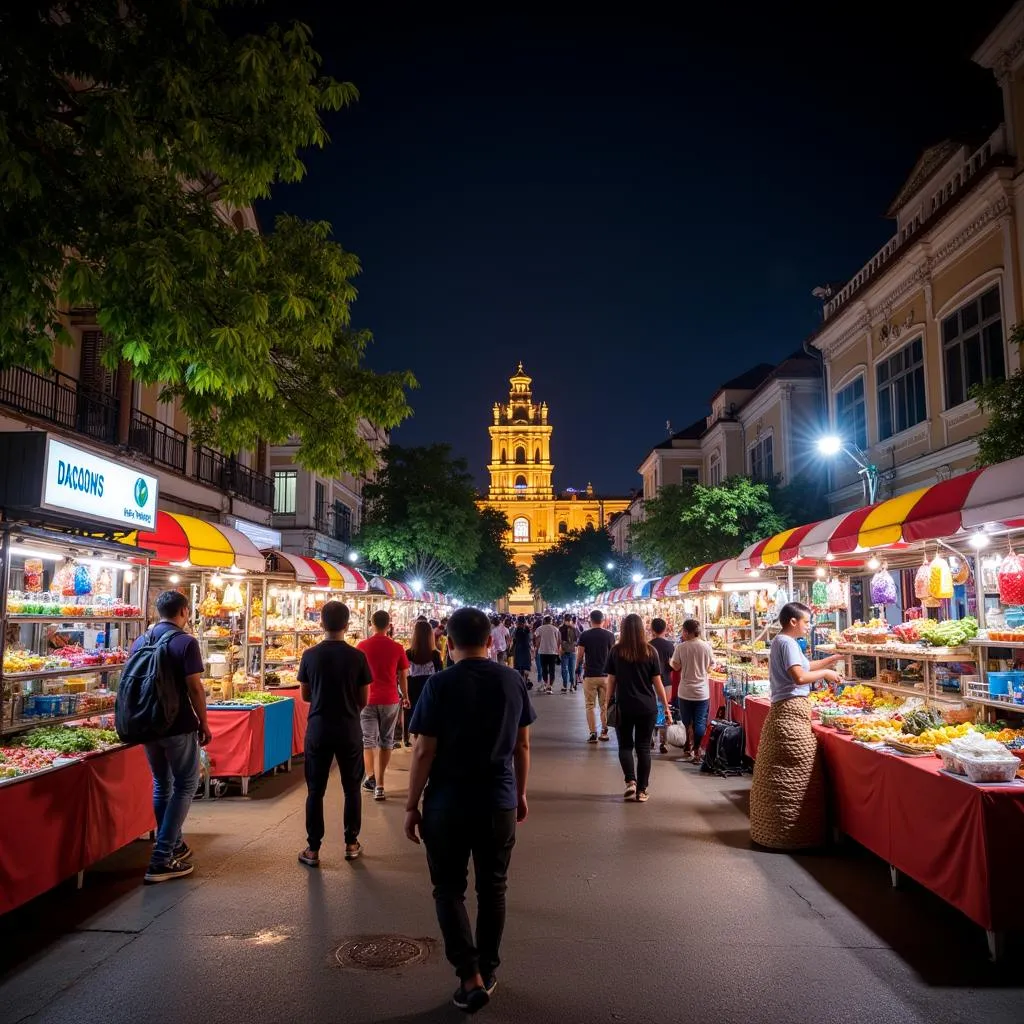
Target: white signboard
[86,484]
[262,536]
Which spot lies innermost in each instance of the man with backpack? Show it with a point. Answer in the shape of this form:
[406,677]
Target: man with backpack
[570,637]
[162,683]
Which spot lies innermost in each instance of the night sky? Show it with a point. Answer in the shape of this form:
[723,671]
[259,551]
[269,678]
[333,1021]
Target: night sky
[636,208]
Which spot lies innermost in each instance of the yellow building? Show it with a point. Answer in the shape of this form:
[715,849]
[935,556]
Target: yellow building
[520,471]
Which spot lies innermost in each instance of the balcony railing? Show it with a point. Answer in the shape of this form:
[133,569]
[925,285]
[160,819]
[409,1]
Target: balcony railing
[157,442]
[61,400]
[211,467]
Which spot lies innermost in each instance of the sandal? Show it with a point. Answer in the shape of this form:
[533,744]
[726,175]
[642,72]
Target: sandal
[311,858]
[630,791]
[642,797]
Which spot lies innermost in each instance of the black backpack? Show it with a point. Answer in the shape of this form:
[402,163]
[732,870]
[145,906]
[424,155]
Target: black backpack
[724,753]
[148,697]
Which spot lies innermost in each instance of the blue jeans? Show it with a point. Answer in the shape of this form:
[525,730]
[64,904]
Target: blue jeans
[540,667]
[695,713]
[568,669]
[174,762]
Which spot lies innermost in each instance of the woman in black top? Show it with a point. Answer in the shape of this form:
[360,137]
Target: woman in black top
[634,683]
[522,650]
[424,661]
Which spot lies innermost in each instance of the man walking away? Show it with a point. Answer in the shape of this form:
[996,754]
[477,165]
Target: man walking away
[592,654]
[472,756]
[549,647]
[499,640]
[693,659]
[174,757]
[387,662]
[568,638]
[665,649]
[335,680]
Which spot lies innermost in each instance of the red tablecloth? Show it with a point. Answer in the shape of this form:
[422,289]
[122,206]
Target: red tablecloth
[237,745]
[962,842]
[58,823]
[300,717]
[756,711]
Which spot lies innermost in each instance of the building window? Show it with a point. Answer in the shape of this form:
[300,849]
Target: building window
[972,346]
[760,456]
[901,390]
[320,507]
[284,492]
[520,456]
[342,522]
[563,526]
[521,530]
[690,475]
[504,455]
[520,484]
[851,413]
[714,471]
[536,455]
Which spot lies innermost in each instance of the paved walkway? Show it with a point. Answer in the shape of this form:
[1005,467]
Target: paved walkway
[617,912]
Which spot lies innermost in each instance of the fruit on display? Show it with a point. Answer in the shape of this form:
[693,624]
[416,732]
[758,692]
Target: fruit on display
[209,608]
[931,738]
[836,593]
[216,632]
[940,579]
[949,633]
[858,696]
[22,661]
[883,587]
[25,760]
[876,732]
[921,580]
[1010,577]
[908,632]
[232,601]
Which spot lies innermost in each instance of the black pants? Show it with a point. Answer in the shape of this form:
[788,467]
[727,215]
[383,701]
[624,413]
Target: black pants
[321,752]
[548,664]
[635,732]
[416,684]
[451,838]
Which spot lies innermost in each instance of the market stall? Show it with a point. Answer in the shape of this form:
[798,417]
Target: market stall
[251,736]
[400,601]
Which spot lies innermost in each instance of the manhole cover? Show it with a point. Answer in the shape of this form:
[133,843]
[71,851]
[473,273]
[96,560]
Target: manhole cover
[380,952]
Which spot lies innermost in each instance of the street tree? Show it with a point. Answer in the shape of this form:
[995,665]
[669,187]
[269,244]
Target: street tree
[686,526]
[574,568]
[495,572]
[131,136]
[1003,401]
[421,520]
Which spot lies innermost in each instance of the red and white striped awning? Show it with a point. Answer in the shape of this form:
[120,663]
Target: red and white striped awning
[321,572]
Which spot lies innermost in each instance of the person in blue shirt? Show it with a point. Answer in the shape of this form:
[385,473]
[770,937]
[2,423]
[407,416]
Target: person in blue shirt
[470,765]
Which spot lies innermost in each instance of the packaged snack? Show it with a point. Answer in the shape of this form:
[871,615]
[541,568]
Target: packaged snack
[33,575]
[940,579]
[1011,579]
[883,587]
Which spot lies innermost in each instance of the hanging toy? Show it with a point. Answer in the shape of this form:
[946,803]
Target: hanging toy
[883,587]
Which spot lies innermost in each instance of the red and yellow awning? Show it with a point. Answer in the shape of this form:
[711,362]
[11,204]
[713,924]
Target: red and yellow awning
[393,588]
[187,541]
[322,572]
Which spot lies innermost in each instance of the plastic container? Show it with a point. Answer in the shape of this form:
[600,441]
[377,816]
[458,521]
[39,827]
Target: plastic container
[950,760]
[1002,684]
[983,770]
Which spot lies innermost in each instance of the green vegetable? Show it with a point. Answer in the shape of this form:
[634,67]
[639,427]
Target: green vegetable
[951,633]
[257,697]
[63,740]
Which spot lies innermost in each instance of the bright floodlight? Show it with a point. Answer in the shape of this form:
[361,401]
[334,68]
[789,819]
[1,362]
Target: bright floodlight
[610,565]
[353,556]
[830,445]
[417,585]
[979,540]
[637,577]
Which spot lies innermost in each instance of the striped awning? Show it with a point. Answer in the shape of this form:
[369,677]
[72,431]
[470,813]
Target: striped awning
[392,588]
[187,541]
[667,586]
[321,572]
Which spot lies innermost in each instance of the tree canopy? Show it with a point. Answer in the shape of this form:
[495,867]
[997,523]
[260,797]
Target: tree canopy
[129,134]
[575,567]
[495,572]
[686,526]
[1003,401]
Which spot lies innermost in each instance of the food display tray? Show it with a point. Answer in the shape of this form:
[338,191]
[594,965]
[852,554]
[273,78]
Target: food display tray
[906,748]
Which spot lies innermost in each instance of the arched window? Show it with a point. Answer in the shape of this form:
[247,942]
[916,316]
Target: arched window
[504,455]
[563,526]
[521,530]
[520,484]
[520,456]
[519,414]
[536,455]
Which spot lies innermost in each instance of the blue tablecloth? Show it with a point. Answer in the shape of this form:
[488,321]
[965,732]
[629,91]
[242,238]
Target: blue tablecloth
[277,732]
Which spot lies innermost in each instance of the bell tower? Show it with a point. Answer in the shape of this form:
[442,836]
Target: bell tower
[520,465]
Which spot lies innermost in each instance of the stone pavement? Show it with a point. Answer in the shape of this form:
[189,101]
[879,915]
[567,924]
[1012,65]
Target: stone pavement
[617,912]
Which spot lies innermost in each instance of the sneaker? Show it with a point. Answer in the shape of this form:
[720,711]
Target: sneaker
[630,791]
[378,793]
[408,743]
[167,872]
[604,736]
[369,783]
[353,852]
[565,689]
[310,858]
[592,738]
[470,1000]
[642,797]
[182,852]
[490,984]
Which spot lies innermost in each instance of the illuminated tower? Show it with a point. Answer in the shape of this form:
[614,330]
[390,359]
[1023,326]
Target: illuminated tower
[520,465]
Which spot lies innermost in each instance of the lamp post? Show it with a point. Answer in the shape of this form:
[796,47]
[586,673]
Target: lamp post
[831,445]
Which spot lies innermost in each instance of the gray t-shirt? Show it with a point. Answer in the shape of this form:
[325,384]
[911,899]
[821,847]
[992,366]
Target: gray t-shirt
[784,654]
[693,659]
[549,640]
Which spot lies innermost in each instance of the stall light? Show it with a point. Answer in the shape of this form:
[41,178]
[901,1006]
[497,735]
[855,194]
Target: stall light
[609,565]
[637,577]
[979,540]
[873,563]
[34,553]
[755,572]
[417,586]
[174,578]
[353,556]
[829,556]
[216,579]
[820,572]
[129,575]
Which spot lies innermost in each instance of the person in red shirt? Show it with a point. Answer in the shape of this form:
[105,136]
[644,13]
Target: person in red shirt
[389,692]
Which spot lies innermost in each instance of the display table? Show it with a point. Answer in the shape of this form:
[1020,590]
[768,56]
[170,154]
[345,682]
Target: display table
[300,717]
[68,818]
[250,739]
[959,840]
[277,733]
[755,712]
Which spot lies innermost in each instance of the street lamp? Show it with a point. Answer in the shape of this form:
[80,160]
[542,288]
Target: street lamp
[831,445]
[637,577]
[417,586]
[610,565]
[353,556]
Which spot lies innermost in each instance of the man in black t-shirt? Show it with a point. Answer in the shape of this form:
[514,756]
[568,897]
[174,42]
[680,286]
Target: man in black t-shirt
[472,757]
[335,680]
[592,654]
[665,649]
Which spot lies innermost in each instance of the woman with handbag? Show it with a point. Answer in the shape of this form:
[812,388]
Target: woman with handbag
[635,688]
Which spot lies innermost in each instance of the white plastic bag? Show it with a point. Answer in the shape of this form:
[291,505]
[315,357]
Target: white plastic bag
[675,735]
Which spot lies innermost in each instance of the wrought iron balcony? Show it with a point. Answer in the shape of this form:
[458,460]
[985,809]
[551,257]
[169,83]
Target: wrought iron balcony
[61,400]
